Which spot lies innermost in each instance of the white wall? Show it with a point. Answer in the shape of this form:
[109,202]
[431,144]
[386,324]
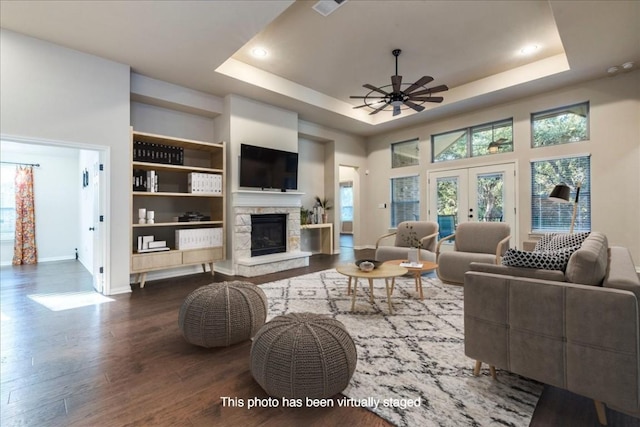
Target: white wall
[614,146]
[311,171]
[56,184]
[58,94]
[164,121]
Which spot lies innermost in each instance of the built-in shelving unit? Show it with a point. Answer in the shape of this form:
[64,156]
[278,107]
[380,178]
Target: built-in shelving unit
[188,218]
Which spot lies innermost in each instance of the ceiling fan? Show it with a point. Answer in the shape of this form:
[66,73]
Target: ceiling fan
[378,98]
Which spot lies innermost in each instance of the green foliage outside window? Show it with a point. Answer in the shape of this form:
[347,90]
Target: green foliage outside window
[560,125]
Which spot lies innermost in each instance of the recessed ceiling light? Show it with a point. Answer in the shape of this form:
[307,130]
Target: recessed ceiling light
[528,50]
[259,52]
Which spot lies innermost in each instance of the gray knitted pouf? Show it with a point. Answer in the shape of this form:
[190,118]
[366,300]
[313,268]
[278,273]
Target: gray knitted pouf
[300,355]
[222,314]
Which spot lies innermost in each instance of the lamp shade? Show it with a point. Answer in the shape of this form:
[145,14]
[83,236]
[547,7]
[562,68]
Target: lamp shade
[560,193]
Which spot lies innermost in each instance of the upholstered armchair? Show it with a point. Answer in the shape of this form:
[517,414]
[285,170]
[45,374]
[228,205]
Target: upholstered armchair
[409,232]
[474,242]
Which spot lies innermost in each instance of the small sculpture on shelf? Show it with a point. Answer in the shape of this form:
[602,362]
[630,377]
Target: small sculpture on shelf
[324,206]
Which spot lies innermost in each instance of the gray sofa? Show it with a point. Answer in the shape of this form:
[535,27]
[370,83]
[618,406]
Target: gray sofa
[577,330]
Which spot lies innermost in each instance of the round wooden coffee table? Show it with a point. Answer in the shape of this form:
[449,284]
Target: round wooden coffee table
[416,272]
[384,271]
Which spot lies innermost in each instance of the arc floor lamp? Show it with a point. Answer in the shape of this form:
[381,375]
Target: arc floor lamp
[562,193]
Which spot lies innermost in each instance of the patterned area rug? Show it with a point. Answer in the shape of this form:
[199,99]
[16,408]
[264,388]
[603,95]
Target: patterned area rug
[412,357]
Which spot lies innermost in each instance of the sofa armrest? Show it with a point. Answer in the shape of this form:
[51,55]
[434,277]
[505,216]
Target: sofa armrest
[578,337]
[429,241]
[533,273]
[384,236]
[441,241]
[501,248]
[621,271]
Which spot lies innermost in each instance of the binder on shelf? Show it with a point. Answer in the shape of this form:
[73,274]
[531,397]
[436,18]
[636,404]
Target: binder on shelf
[157,153]
[198,238]
[206,183]
[157,244]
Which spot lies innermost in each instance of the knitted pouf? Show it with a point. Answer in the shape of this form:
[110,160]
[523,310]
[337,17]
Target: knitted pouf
[221,314]
[300,355]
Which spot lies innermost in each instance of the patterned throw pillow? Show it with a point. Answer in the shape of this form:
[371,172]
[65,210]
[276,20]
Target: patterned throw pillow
[562,241]
[541,245]
[557,241]
[547,260]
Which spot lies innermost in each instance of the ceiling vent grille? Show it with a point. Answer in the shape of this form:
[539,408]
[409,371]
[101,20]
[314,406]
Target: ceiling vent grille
[326,7]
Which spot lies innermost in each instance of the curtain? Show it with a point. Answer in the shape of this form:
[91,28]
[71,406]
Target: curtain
[24,250]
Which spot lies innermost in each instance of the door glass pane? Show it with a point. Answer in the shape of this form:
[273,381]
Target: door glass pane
[490,191]
[447,199]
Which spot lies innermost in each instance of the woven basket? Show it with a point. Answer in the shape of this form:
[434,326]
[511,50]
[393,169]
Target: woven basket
[222,314]
[303,355]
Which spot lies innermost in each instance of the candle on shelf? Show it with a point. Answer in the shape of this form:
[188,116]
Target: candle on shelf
[142,213]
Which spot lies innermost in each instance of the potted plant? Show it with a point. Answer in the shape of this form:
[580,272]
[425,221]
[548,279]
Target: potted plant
[305,215]
[324,204]
[414,244]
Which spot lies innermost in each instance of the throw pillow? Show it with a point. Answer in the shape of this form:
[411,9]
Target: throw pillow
[556,241]
[562,241]
[547,260]
[542,244]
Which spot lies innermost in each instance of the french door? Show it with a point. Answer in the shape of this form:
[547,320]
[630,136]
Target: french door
[485,193]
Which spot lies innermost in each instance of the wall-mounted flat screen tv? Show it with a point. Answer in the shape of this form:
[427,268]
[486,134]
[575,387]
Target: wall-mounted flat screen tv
[267,168]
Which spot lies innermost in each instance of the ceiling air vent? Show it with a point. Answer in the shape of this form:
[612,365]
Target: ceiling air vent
[326,7]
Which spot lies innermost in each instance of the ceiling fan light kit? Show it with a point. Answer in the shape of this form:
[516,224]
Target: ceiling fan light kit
[379,97]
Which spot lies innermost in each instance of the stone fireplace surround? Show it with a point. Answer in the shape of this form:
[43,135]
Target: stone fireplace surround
[247,203]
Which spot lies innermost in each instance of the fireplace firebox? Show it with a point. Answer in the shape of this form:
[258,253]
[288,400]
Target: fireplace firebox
[268,234]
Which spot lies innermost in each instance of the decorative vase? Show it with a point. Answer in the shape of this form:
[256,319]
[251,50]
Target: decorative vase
[413,255]
[325,218]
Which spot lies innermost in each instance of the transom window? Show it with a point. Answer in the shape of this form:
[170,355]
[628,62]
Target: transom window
[560,125]
[405,153]
[475,141]
[548,216]
[405,199]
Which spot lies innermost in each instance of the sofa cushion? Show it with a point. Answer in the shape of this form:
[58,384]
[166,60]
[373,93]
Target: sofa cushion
[588,265]
[547,260]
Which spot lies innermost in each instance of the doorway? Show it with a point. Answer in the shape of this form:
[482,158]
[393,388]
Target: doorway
[70,202]
[348,206]
[483,194]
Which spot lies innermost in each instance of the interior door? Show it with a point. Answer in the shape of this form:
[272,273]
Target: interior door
[484,193]
[97,227]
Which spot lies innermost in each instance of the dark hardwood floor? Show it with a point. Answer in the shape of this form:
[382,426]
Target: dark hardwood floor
[124,362]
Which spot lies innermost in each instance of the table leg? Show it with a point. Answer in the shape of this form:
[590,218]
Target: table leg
[393,284]
[371,290]
[386,285]
[349,287]
[353,293]
[419,284]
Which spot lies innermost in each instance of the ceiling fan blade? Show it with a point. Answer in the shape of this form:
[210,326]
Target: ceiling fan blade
[366,96]
[363,105]
[434,89]
[396,81]
[426,98]
[396,110]
[421,82]
[371,87]
[414,106]
[378,109]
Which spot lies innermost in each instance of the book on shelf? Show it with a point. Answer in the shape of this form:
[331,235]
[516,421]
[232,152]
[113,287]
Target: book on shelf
[157,153]
[157,244]
[163,248]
